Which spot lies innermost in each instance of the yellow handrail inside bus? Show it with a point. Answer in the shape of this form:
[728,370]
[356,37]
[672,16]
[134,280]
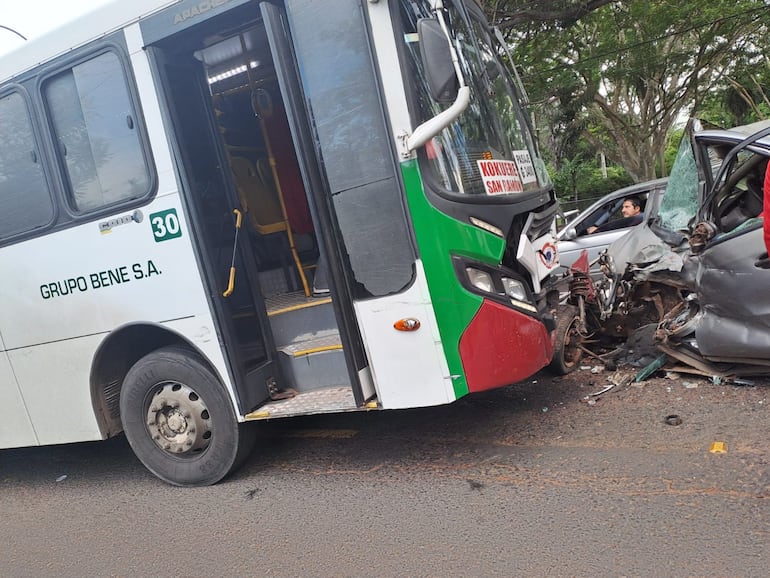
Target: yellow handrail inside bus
[231,279]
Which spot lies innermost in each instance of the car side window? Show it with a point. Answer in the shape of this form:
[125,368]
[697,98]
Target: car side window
[600,216]
[739,196]
[610,216]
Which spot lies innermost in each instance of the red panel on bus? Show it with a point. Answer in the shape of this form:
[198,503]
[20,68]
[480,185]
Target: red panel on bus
[502,346]
[289,175]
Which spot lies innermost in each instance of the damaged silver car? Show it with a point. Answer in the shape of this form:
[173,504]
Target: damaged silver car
[696,272]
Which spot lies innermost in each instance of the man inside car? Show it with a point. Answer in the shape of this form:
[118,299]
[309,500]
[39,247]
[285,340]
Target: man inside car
[632,215]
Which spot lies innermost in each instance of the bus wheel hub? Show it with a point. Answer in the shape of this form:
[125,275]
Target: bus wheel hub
[178,420]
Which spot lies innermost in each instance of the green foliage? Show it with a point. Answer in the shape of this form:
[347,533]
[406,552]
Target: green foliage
[673,139]
[745,98]
[617,78]
[578,184]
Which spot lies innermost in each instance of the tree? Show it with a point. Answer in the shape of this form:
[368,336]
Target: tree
[746,97]
[513,13]
[622,74]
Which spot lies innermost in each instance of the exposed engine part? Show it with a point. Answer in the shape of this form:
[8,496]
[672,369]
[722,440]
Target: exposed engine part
[701,235]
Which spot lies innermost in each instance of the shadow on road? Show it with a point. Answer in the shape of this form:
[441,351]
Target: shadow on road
[361,437]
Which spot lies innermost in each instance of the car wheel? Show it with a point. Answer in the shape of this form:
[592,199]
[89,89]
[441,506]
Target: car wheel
[567,350]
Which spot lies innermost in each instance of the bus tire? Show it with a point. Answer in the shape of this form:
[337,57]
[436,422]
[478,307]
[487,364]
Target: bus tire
[179,420]
[567,351]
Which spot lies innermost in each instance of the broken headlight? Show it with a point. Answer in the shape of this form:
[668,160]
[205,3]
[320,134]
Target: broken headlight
[501,284]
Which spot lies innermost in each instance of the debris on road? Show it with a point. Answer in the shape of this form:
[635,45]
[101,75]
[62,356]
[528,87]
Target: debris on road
[718,448]
[658,363]
[673,419]
[605,390]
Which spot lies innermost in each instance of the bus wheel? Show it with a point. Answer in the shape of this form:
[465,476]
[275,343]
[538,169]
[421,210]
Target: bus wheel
[567,351]
[179,419]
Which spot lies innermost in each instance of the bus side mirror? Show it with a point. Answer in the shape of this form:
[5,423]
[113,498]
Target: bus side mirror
[437,61]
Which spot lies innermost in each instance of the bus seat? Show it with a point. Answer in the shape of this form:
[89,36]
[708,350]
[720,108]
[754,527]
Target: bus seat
[258,196]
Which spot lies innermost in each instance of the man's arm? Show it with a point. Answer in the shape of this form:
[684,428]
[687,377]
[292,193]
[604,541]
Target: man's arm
[619,224]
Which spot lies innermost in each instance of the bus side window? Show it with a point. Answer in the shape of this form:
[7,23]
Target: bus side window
[25,201]
[95,132]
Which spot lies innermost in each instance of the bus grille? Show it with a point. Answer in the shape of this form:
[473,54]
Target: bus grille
[540,222]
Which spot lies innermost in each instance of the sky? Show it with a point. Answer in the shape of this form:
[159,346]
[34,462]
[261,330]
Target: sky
[33,18]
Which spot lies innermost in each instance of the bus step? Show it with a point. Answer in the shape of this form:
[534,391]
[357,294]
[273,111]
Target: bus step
[294,316]
[294,301]
[326,400]
[314,363]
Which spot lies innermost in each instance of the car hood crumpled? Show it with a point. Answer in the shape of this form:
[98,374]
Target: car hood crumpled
[645,252]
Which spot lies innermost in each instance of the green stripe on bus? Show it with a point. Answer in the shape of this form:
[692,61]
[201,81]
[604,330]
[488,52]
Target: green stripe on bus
[439,236]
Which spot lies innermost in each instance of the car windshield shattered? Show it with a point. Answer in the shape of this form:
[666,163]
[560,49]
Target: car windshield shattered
[681,201]
[690,284]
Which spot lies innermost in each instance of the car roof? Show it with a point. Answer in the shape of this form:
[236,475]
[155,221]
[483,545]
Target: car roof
[736,134]
[643,186]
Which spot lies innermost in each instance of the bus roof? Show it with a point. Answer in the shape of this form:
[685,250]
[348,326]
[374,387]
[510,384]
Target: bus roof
[95,24]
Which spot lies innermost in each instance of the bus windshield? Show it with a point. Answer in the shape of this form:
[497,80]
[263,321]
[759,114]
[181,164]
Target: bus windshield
[490,138]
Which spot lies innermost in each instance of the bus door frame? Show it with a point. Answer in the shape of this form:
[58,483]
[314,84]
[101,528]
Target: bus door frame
[253,385]
[282,52]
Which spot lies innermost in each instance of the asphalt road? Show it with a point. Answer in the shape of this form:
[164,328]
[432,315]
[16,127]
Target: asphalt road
[525,481]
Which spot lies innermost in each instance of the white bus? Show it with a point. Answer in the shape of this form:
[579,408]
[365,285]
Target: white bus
[220,211]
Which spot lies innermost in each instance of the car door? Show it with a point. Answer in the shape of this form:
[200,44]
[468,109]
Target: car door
[733,296]
[733,270]
[575,237]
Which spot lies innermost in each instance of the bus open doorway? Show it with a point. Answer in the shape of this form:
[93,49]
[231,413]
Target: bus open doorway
[234,142]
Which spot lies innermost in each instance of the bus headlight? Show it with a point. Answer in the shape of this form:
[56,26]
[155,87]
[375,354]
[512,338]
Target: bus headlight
[495,283]
[481,280]
[514,289]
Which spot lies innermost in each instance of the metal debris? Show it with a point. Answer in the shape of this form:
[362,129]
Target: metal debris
[601,391]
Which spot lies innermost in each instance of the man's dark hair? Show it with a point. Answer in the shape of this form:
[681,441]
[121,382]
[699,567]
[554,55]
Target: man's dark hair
[634,200]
